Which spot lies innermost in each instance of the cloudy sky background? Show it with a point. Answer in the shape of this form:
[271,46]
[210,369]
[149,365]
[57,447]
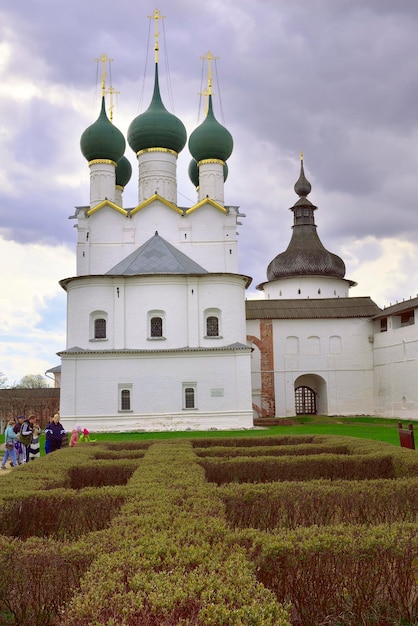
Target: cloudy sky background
[338,80]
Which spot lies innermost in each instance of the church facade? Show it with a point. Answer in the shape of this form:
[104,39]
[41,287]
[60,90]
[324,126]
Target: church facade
[160,335]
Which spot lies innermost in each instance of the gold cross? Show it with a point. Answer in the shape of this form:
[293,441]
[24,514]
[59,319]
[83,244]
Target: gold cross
[157,16]
[103,59]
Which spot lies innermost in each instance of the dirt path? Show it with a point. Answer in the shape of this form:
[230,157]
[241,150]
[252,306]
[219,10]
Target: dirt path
[7,470]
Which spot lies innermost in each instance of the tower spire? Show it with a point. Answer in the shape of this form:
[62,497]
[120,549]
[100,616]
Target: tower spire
[305,254]
[302,186]
[103,59]
[157,16]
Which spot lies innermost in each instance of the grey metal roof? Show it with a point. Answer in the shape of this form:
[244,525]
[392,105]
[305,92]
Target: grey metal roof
[305,254]
[399,307]
[315,308]
[233,346]
[156,256]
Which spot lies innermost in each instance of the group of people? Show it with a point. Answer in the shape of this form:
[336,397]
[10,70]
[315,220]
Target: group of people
[21,439]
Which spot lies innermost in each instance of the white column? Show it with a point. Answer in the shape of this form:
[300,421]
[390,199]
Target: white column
[211,180]
[157,173]
[102,181]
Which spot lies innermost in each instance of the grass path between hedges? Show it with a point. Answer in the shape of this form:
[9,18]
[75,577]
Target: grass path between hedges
[379,429]
[376,428]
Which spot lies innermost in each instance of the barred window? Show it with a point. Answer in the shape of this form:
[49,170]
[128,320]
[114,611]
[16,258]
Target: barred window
[156,327]
[212,326]
[100,328]
[125,400]
[189,398]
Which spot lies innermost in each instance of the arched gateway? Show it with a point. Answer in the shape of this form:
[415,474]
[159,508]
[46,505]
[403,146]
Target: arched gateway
[310,395]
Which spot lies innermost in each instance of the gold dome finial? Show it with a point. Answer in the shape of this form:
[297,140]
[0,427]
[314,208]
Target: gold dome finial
[208,91]
[157,16]
[301,155]
[103,59]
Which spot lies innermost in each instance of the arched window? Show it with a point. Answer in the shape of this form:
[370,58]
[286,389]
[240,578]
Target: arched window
[100,328]
[156,327]
[212,319]
[212,326]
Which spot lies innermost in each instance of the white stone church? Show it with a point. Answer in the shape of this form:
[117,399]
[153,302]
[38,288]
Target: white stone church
[160,335]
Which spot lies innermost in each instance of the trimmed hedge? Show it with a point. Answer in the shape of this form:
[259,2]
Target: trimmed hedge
[156,547]
[171,557]
[60,514]
[289,450]
[303,468]
[38,577]
[242,442]
[101,473]
[341,575]
[289,505]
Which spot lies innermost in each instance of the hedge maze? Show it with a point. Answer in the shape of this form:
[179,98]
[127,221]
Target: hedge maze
[280,531]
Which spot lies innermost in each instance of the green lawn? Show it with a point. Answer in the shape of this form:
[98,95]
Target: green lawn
[376,428]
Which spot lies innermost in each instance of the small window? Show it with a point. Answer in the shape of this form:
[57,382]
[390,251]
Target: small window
[212,326]
[407,318]
[189,398]
[125,400]
[383,325]
[212,323]
[156,327]
[100,328]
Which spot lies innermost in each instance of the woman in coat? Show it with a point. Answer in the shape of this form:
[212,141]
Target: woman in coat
[54,433]
[9,438]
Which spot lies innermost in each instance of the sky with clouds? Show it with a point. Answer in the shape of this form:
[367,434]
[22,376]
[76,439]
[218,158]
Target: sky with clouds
[338,80]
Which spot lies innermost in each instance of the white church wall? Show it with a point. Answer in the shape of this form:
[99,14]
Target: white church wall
[105,238]
[127,305]
[82,301]
[396,367]
[221,381]
[211,240]
[156,217]
[303,347]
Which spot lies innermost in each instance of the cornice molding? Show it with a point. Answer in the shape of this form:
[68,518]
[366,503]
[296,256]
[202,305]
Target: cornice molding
[156,197]
[102,162]
[204,161]
[105,203]
[205,201]
[146,150]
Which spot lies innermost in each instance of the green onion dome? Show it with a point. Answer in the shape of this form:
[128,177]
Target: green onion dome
[123,171]
[157,128]
[102,140]
[210,140]
[194,172]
